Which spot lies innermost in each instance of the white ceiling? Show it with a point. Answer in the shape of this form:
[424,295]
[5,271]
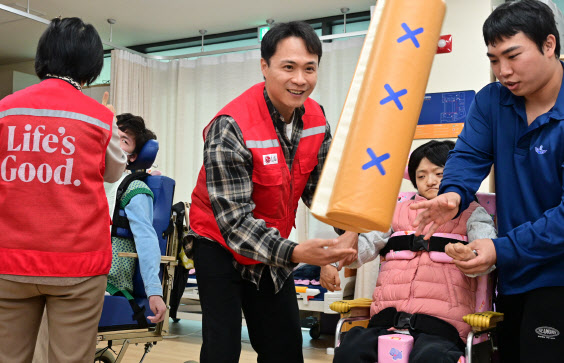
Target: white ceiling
[148,21]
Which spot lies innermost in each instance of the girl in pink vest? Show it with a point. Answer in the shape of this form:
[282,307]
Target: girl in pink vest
[418,289]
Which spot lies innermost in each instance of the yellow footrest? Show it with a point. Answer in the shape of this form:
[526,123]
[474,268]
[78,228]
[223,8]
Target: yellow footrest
[484,320]
[344,306]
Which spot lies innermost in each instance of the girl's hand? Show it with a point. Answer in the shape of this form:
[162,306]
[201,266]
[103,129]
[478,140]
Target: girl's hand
[329,278]
[459,251]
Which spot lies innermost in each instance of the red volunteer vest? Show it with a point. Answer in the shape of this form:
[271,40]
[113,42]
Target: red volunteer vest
[276,190]
[55,219]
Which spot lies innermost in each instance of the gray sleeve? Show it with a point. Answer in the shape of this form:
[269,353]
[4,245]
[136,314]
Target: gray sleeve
[369,246]
[116,161]
[480,225]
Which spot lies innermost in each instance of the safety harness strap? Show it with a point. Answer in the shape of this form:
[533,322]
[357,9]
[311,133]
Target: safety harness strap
[415,243]
[138,312]
[416,323]
[119,220]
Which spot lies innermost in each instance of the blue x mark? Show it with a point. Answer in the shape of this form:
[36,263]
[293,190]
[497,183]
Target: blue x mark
[410,34]
[376,161]
[393,96]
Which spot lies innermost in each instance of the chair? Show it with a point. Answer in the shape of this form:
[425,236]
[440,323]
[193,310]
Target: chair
[481,340]
[117,325]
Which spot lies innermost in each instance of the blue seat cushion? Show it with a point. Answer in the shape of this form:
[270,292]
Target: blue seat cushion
[117,313]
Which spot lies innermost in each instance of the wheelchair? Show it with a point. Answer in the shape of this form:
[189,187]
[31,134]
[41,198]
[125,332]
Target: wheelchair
[481,345]
[119,325]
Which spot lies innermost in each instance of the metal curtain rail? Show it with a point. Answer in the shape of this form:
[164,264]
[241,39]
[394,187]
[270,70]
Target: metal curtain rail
[182,56]
[237,49]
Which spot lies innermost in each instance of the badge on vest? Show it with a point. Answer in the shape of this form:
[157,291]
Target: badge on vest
[270,159]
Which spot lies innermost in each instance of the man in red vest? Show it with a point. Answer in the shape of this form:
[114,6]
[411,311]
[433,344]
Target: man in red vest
[57,147]
[263,152]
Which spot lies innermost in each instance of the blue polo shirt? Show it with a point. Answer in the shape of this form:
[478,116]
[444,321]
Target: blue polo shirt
[528,163]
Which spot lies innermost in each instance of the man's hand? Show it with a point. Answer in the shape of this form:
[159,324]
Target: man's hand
[348,240]
[487,257]
[105,99]
[329,278]
[158,307]
[459,251]
[321,252]
[437,212]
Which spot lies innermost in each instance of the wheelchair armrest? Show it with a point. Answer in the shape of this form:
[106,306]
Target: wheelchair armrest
[353,313]
[483,321]
[164,259]
[344,306]
[346,323]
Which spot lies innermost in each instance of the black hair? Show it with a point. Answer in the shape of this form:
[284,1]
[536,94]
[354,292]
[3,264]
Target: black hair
[532,17]
[281,31]
[70,48]
[435,151]
[135,125]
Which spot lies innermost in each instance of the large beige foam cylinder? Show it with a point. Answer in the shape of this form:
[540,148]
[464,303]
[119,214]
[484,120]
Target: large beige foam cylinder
[362,175]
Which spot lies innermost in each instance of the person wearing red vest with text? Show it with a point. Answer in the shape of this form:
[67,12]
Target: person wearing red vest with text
[57,147]
[263,152]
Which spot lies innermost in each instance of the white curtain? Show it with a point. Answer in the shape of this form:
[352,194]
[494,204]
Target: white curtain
[179,98]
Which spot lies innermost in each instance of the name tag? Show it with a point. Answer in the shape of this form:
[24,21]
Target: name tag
[270,159]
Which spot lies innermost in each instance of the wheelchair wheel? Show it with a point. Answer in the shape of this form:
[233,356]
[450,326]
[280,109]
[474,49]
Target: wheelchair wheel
[104,355]
[315,330]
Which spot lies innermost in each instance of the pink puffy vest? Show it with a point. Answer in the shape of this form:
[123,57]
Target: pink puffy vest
[422,283]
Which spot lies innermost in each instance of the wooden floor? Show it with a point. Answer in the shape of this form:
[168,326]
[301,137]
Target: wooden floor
[186,338]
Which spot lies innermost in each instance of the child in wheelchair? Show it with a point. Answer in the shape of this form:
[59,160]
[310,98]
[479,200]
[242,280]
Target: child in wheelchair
[144,244]
[137,202]
[418,290]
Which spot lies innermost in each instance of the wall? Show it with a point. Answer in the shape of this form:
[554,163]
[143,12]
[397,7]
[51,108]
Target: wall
[22,80]
[96,92]
[559,3]
[6,75]
[467,67]
[14,77]
[5,83]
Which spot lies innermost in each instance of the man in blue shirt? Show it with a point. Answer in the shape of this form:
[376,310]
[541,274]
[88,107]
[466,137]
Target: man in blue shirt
[516,125]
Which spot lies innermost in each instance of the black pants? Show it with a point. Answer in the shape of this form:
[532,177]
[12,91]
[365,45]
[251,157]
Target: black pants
[272,319]
[360,345]
[533,326]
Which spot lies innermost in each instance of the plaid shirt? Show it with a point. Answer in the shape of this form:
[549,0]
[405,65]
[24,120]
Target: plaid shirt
[229,169]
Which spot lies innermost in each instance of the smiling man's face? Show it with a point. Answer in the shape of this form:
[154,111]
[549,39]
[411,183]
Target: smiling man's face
[291,75]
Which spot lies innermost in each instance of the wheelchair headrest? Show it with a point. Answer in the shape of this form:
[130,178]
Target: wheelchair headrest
[146,156]
[406,171]
[406,174]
